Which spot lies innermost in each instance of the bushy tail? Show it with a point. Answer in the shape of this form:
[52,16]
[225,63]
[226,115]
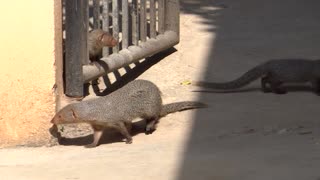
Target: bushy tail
[180,106]
[245,79]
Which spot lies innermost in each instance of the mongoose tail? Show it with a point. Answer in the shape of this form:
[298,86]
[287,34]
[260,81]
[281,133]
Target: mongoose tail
[180,106]
[245,79]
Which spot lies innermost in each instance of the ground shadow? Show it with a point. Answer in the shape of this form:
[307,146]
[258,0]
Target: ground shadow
[247,33]
[289,88]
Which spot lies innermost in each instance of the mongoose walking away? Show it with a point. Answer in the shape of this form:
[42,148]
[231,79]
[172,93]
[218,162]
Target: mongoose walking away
[273,74]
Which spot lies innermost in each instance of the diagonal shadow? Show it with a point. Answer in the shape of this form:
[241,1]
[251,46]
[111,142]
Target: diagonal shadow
[109,136]
[130,74]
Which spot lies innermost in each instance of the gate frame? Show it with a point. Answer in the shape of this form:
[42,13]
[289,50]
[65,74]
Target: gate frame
[168,29]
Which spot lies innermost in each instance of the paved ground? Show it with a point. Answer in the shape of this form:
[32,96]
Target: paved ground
[244,135]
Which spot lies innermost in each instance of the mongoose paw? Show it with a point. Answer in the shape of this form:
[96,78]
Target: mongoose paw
[150,128]
[280,91]
[317,92]
[149,131]
[129,141]
[90,146]
[266,90]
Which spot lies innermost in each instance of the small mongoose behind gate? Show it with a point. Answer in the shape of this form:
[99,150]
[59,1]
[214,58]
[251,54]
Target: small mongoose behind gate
[275,73]
[137,99]
[97,39]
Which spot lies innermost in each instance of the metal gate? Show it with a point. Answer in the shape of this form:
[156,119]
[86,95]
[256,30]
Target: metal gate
[143,28]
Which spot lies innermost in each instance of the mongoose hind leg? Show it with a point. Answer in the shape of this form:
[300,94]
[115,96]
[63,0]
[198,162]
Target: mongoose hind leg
[98,131]
[151,125]
[121,127]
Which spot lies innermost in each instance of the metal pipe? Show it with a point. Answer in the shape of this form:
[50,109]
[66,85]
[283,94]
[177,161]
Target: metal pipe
[130,55]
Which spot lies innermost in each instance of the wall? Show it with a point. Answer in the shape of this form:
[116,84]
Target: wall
[27,55]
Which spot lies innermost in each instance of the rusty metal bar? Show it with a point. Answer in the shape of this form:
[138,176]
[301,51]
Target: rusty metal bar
[130,55]
[125,24]
[153,31]
[76,46]
[105,23]
[161,16]
[115,23]
[135,27]
[172,19]
[96,14]
[143,21]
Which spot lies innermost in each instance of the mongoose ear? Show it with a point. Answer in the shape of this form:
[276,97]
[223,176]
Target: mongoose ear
[74,115]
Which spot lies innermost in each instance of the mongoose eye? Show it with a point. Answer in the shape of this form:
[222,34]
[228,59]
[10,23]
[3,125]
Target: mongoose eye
[74,116]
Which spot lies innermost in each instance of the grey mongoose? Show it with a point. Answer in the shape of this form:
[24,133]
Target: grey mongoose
[137,99]
[275,73]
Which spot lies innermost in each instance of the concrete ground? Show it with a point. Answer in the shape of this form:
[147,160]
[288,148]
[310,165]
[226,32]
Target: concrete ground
[242,135]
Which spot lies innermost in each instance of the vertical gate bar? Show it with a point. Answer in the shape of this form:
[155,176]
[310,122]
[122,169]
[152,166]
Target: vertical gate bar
[133,21]
[125,24]
[96,14]
[76,46]
[134,15]
[115,23]
[143,21]
[84,38]
[153,32]
[161,15]
[105,23]
[172,16]
[138,22]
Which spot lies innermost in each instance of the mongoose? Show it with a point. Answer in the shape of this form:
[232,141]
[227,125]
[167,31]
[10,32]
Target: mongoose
[274,73]
[137,99]
[97,39]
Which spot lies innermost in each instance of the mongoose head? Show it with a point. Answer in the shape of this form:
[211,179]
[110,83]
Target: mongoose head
[65,116]
[103,38]
[108,40]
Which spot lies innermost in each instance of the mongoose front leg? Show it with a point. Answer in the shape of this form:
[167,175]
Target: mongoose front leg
[275,86]
[316,86]
[97,133]
[264,83]
[277,89]
[96,137]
